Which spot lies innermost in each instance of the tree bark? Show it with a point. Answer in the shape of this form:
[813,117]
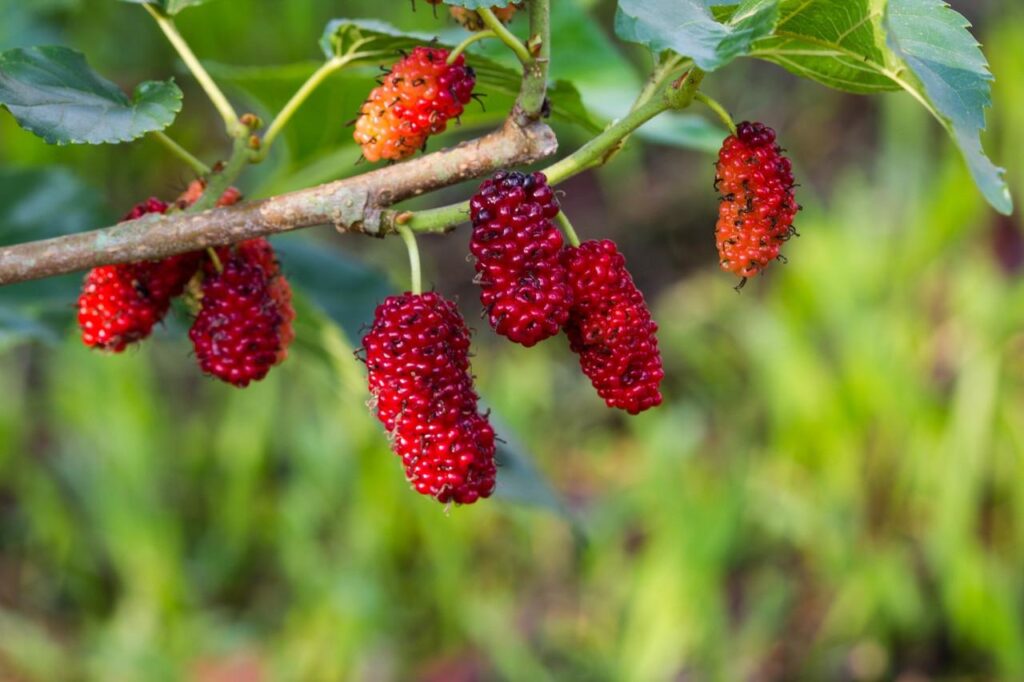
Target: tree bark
[352,205]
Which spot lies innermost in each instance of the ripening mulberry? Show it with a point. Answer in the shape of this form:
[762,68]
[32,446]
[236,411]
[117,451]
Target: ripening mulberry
[120,304]
[611,329]
[417,355]
[415,100]
[471,20]
[244,325]
[150,205]
[523,284]
[195,189]
[757,204]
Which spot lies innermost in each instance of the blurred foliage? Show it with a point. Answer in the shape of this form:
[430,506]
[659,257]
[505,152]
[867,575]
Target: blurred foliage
[834,488]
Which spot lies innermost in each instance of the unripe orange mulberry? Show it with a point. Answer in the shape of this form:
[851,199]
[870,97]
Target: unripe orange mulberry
[415,100]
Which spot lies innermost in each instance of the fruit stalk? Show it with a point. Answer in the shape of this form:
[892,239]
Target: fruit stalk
[220,102]
[461,47]
[508,37]
[415,269]
[190,160]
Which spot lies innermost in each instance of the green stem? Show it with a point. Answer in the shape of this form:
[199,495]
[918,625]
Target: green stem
[301,95]
[568,229]
[439,219]
[414,258]
[195,164]
[215,259]
[241,155]
[461,47]
[535,76]
[681,94]
[593,153]
[220,102]
[662,71]
[718,109]
[666,66]
[501,31]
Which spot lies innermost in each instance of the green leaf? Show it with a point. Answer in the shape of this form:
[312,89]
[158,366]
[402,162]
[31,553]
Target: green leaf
[383,41]
[948,65]
[920,46]
[170,6]
[36,204]
[52,92]
[339,34]
[689,28]
[835,42]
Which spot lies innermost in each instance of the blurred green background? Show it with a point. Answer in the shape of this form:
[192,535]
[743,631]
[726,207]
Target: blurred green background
[833,490]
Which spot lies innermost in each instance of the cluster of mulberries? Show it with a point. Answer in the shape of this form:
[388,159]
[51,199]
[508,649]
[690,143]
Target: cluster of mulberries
[120,304]
[244,325]
[417,355]
[532,288]
[611,329]
[757,204]
[415,100]
[523,284]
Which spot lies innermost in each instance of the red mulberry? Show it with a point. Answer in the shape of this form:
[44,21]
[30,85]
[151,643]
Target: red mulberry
[757,204]
[416,99]
[523,284]
[120,304]
[417,354]
[244,326]
[611,329]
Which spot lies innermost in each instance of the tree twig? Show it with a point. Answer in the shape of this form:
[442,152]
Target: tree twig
[533,92]
[353,205]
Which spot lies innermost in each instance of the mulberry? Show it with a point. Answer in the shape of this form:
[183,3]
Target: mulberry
[611,329]
[757,204]
[417,355]
[244,326]
[120,304]
[416,99]
[523,284]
